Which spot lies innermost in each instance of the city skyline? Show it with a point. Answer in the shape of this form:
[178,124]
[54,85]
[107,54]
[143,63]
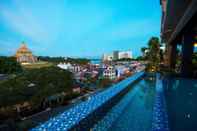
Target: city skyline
[77,28]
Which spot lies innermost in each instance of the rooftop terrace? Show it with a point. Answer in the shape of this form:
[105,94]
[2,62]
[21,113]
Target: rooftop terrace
[86,114]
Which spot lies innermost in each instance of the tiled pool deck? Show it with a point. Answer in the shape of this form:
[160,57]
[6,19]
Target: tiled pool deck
[79,115]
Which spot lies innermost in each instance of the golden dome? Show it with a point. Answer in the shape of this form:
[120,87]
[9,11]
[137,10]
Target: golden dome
[23,49]
[23,54]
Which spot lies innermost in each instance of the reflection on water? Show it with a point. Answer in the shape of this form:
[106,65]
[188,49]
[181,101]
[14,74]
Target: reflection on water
[133,110]
[181,97]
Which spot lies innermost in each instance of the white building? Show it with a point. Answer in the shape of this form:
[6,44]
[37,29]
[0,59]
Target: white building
[70,67]
[116,55]
[65,66]
[109,72]
[107,57]
[121,70]
[124,54]
[121,54]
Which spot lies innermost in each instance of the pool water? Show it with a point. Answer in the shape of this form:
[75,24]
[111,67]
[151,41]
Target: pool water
[86,114]
[134,111]
[148,104]
[181,101]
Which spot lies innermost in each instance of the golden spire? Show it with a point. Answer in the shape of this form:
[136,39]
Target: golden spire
[24,55]
[23,44]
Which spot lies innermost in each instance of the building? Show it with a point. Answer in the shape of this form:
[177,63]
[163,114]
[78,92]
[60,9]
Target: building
[116,55]
[109,72]
[65,66]
[125,54]
[120,70]
[71,67]
[24,55]
[107,57]
[122,54]
[179,28]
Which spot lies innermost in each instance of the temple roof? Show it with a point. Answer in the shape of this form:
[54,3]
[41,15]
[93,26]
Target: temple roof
[23,48]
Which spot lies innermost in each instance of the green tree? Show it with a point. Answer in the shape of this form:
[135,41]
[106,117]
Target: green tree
[9,65]
[125,59]
[35,85]
[153,54]
[80,61]
[143,50]
[139,58]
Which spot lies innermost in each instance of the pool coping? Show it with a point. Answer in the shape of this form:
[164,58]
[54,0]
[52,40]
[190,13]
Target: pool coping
[160,116]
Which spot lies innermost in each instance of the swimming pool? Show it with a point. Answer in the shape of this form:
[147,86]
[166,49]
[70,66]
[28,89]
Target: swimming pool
[84,115]
[181,101]
[141,102]
[134,111]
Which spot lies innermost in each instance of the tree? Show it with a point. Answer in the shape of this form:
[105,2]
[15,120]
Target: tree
[80,61]
[143,50]
[9,65]
[125,59]
[139,58]
[51,59]
[153,55]
[35,85]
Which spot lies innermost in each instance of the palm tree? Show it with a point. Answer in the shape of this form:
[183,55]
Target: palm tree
[143,50]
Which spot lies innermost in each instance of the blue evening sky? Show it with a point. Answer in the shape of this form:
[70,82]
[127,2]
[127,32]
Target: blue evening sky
[80,28]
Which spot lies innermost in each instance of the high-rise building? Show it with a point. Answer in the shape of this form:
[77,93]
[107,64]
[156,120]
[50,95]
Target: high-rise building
[122,54]
[125,54]
[115,55]
[24,55]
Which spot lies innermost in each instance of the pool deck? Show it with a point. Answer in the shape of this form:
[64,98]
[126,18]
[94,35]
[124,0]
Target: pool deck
[79,114]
